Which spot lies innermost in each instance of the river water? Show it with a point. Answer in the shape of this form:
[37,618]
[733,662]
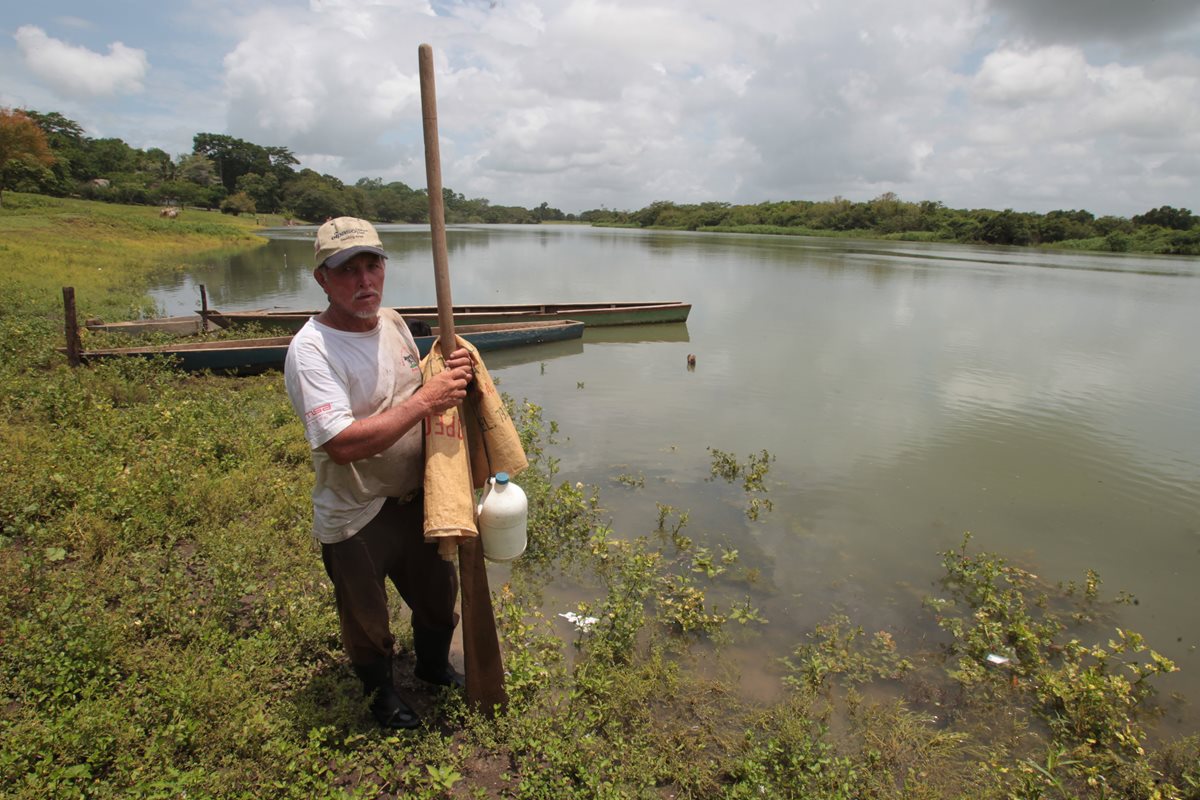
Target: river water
[1048,402]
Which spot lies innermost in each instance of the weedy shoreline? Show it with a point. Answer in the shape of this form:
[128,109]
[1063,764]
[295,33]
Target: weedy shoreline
[166,628]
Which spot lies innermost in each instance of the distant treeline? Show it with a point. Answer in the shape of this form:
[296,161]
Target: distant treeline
[240,177]
[234,175]
[1160,230]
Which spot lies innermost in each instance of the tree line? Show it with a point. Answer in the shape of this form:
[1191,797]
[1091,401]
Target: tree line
[1159,230]
[48,153]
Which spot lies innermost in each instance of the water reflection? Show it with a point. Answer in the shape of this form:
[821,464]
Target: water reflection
[539,355]
[659,332]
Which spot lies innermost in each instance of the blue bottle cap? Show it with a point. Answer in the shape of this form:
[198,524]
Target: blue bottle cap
[501,477]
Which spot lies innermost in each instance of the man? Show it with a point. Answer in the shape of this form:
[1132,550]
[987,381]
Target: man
[353,376]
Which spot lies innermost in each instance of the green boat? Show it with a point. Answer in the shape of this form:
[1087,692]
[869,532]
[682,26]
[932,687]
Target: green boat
[176,326]
[593,314]
[250,356]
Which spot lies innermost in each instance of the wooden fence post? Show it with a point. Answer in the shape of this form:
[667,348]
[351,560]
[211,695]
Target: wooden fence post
[74,346]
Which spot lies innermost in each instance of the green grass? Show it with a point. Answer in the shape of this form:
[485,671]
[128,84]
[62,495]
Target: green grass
[166,629]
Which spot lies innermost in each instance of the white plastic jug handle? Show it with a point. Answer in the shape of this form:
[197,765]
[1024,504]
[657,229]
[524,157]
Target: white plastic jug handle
[487,489]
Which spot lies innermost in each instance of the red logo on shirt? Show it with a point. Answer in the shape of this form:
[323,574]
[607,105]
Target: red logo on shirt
[313,413]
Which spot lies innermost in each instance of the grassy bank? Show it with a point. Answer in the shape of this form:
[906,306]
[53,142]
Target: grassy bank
[166,629]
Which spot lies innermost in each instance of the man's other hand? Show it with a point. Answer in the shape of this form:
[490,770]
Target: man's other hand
[449,387]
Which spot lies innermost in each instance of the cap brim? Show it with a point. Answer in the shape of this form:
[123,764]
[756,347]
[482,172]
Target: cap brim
[342,256]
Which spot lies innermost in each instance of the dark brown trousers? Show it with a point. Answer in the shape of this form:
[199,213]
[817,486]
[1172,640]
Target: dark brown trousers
[392,545]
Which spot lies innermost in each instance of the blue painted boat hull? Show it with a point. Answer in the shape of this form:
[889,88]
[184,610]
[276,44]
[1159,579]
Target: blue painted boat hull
[250,356]
[595,313]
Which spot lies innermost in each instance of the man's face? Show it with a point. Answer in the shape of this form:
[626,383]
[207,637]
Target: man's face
[356,287]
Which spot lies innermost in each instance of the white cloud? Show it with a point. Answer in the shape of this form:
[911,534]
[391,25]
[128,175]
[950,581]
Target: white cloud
[339,82]
[1050,104]
[542,94]
[584,103]
[1128,100]
[1014,77]
[519,24]
[79,72]
[839,105]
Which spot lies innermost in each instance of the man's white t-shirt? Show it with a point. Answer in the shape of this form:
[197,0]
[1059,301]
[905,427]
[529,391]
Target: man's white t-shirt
[335,377]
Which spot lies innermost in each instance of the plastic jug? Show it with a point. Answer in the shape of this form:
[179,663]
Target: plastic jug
[503,513]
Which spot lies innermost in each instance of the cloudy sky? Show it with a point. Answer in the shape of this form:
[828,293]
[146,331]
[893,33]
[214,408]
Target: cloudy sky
[1028,104]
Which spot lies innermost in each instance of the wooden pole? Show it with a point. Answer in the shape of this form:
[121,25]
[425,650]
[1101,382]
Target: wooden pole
[447,548]
[71,326]
[203,309]
[481,644]
[437,209]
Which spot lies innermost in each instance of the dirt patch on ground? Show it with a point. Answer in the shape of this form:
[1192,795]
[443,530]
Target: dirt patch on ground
[486,772]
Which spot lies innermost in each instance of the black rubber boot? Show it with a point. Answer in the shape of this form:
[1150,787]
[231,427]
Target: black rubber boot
[433,658]
[388,709]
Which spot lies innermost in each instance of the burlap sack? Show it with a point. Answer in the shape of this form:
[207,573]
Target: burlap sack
[491,440]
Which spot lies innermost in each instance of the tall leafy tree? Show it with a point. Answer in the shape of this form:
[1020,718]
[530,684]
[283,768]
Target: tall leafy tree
[68,145]
[110,156]
[1005,227]
[233,157]
[282,162]
[157,163]
[313,196]
[264,190]
[236,157]
[61,132]
[197,169]
[194,183]
[1180,219]
[21,140]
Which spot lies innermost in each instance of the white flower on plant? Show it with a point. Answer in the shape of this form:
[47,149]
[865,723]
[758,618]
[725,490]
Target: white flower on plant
[581,623]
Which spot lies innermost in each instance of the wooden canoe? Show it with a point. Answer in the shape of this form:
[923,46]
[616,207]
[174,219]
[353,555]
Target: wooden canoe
[593,314]
[248,356]
[179,326]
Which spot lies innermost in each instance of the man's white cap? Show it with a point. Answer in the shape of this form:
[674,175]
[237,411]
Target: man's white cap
[339,240]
